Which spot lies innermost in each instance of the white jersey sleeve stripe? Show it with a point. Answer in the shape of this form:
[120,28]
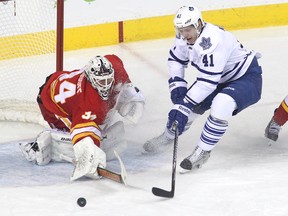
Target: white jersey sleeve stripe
[207,81]
[174,58]
[190,100]
[230,71]
[239,69]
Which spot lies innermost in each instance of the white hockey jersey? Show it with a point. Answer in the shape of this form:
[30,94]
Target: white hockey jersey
[216,54]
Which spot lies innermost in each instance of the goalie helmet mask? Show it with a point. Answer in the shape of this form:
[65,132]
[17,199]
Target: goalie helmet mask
[188,16]
[100,74]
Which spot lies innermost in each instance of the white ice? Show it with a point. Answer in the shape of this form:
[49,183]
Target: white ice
[246,174]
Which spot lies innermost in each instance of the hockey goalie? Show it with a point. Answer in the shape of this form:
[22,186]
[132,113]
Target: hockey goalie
[79,106]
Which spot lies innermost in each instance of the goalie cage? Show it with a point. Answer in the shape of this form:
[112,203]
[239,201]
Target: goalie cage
[31,48]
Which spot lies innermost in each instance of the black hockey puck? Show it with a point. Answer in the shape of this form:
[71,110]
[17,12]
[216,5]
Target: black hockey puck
[81,202]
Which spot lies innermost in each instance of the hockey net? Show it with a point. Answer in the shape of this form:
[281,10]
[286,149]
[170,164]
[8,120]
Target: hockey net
[27,56]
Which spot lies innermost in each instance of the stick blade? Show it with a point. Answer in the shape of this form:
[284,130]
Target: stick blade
[162,193]
[123,169]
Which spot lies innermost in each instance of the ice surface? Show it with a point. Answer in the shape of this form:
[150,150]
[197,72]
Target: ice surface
[244,175]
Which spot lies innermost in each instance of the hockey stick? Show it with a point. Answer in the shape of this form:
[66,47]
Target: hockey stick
[120,178]
[161,192]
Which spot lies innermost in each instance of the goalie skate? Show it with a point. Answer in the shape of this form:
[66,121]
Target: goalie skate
[157,144]
[195,160]
[272,130]
[29,149]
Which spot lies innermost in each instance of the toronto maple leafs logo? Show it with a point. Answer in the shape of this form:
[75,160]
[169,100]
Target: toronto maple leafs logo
[205,43]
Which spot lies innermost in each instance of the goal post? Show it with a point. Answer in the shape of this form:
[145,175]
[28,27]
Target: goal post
[60,35]
[31,48]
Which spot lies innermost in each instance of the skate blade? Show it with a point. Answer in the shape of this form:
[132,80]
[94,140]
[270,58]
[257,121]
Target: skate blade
[184,171]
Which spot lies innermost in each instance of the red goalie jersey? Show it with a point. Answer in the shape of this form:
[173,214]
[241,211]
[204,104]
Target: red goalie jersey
[69,102]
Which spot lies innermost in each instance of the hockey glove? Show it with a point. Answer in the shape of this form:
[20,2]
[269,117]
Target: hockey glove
[180,113]
[178,89]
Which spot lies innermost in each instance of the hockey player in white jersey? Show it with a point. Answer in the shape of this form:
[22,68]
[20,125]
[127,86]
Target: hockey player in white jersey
[229,80]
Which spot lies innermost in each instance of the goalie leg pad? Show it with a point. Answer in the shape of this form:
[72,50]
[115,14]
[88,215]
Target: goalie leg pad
[39,151]
[114,139]
[61,144]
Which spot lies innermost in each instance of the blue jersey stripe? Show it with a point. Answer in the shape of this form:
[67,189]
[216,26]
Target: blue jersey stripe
[177,59]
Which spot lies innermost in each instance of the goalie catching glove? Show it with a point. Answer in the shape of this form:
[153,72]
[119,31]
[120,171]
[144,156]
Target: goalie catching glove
[130,104]
[88,158]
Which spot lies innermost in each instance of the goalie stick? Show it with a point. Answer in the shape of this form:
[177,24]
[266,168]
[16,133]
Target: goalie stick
[161,192]
[120,178]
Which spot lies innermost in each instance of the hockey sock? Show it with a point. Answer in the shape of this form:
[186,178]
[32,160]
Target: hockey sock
[281,114]
[212,132]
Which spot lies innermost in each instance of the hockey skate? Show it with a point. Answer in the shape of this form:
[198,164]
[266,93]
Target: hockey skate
[29,150]
[157,144]
[272,130]
[195,160]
